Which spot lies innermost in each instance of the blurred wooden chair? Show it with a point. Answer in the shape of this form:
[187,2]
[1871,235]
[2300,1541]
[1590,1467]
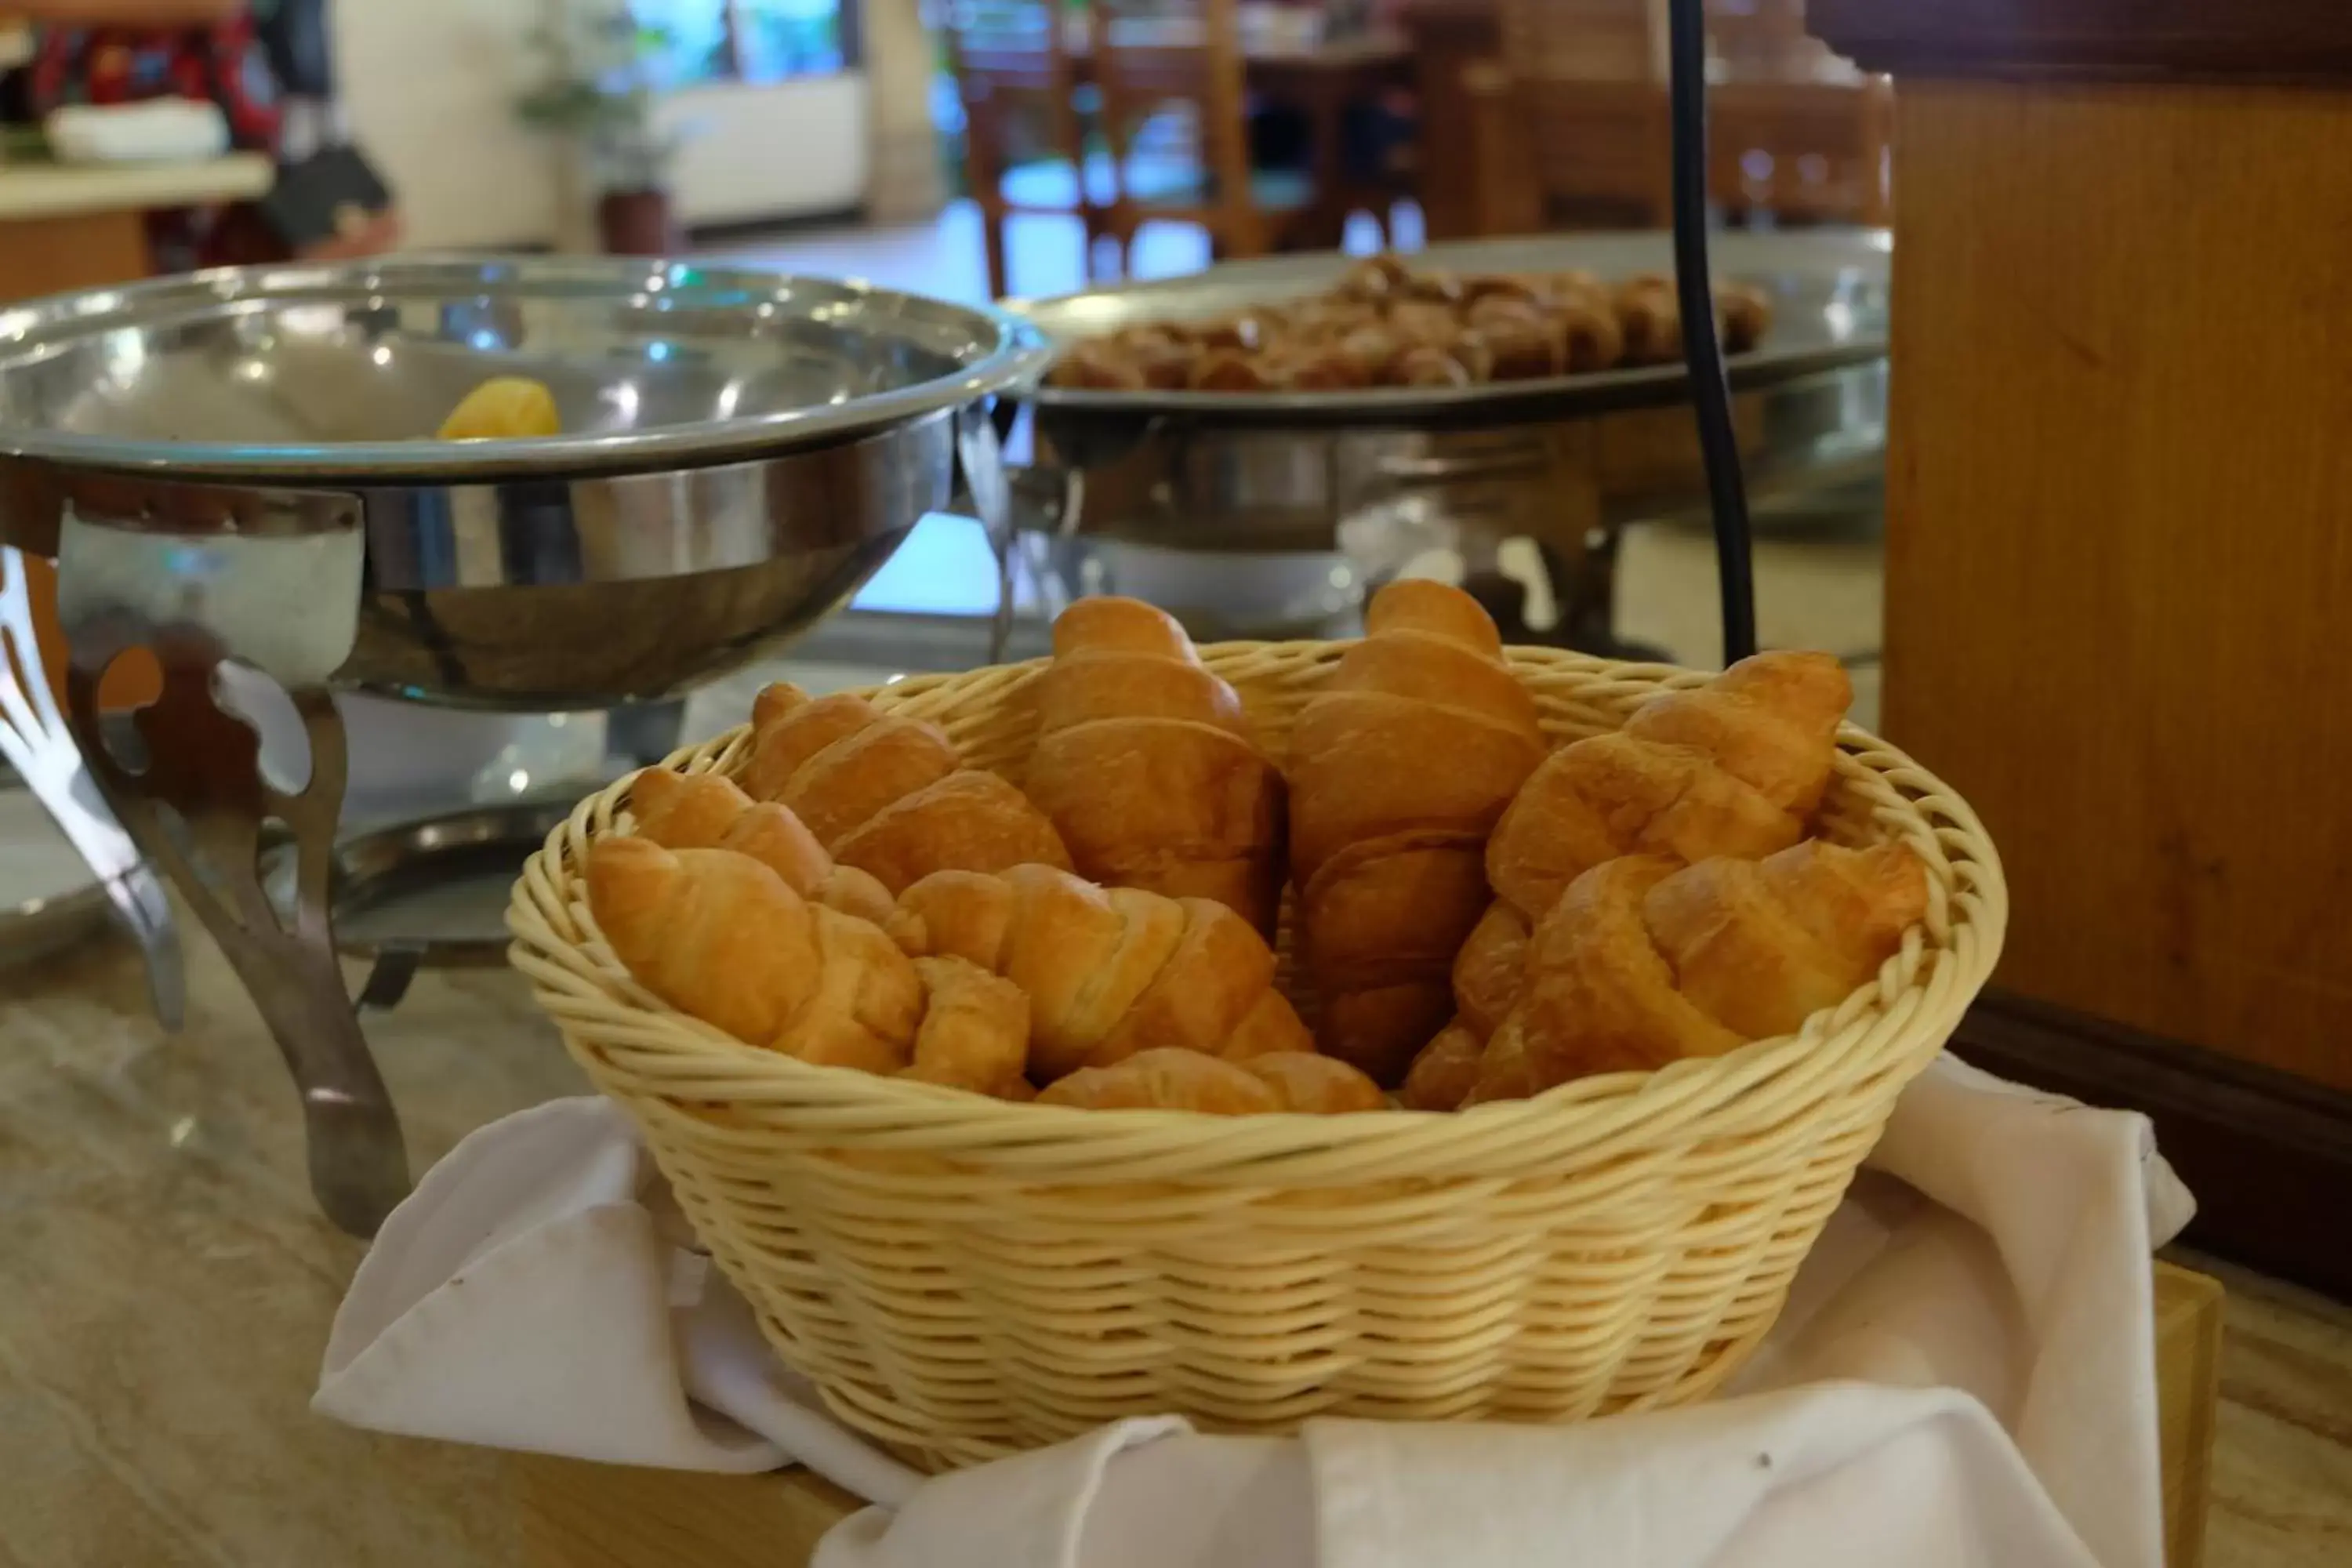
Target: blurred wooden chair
[1796,133]
[1450,38]
[1174,87]
[1801,152]
[1024,138]
[1569,124]
[1763,40]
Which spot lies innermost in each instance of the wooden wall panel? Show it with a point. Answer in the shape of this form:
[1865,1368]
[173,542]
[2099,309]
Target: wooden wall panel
[2119,601]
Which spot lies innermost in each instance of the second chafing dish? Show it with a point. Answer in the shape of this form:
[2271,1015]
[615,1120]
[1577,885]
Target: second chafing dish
[1553,456]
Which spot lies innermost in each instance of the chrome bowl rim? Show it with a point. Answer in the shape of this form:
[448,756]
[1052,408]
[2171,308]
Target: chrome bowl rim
[1011,353]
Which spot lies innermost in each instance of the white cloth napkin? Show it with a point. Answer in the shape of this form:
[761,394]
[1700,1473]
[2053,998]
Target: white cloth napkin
[1964,1374]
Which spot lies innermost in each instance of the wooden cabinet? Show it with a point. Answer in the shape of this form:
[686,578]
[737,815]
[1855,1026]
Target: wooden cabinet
[2119,551]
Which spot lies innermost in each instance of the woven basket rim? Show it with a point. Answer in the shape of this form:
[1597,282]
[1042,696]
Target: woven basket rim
[870,1103]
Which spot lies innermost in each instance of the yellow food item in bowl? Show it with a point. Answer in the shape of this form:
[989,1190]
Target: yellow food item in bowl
[503,408]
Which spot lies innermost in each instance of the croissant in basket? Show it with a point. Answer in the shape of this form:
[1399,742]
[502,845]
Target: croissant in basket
[1641,963]
[1398,768]
[723,938]
[886,794]
[1109,973]
[1733,767]
[707,811]
[1145,764]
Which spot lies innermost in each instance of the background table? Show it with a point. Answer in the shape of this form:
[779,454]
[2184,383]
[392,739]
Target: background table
[66,227]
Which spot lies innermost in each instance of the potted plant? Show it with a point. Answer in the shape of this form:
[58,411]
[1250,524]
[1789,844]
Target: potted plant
[598,90]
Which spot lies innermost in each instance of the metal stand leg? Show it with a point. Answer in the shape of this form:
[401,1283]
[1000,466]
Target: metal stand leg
[278,600]
[35,739]
[981,454]
[203,764]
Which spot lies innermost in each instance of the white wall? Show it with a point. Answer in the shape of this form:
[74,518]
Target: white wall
[429,86]
[790,147]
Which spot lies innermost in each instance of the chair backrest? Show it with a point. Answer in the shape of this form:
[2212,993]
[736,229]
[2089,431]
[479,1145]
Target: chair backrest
[1172,75]
[1018,82]
[1793,129]
[1584,40]
[1012,43]
[1802,149]
[1587,79]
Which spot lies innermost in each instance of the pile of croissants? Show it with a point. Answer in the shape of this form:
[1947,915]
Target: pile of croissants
[1476,917]
[1386,324]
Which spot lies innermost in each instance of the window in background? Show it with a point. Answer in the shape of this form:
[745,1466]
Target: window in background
[742,40]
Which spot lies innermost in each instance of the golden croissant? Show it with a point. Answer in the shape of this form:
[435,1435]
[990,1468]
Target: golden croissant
[886,794]
[1643,963]
[1733,767]
[1108,972]
[1399,769]
[1145,763]
[707,811]
[722,937]
[975,1030]
[1171,1079]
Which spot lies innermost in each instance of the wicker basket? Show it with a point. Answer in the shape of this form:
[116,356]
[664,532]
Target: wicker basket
[964,1277]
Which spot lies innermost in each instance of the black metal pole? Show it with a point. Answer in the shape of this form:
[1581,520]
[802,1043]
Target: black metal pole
[1702,349]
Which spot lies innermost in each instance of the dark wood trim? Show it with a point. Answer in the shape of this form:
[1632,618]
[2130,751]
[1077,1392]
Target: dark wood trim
[2269,1156]
[2211,40]
[741,231]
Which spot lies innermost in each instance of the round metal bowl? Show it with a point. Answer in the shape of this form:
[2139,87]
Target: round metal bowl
[290,375]
[741,450]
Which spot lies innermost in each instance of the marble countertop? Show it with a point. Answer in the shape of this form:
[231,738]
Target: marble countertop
[32,191]
[166,1284]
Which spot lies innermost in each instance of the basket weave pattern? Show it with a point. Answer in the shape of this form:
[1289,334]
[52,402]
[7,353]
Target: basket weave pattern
[964,1277]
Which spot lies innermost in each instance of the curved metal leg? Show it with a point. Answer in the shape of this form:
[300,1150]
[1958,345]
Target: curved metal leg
[981,455]
[205,765]
[198,803]
[36,742]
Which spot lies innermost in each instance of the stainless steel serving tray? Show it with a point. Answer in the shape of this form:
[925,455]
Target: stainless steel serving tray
[1829,292]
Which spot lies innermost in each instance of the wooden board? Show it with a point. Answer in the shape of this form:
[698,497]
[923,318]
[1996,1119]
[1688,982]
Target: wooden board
[79,250]
[2119,565]
[600,1516]
[576,1515]
[2187,1391]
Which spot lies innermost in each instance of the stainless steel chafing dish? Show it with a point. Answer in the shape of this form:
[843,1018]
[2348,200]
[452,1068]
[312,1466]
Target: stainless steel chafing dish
[1558,460]
[235,473]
